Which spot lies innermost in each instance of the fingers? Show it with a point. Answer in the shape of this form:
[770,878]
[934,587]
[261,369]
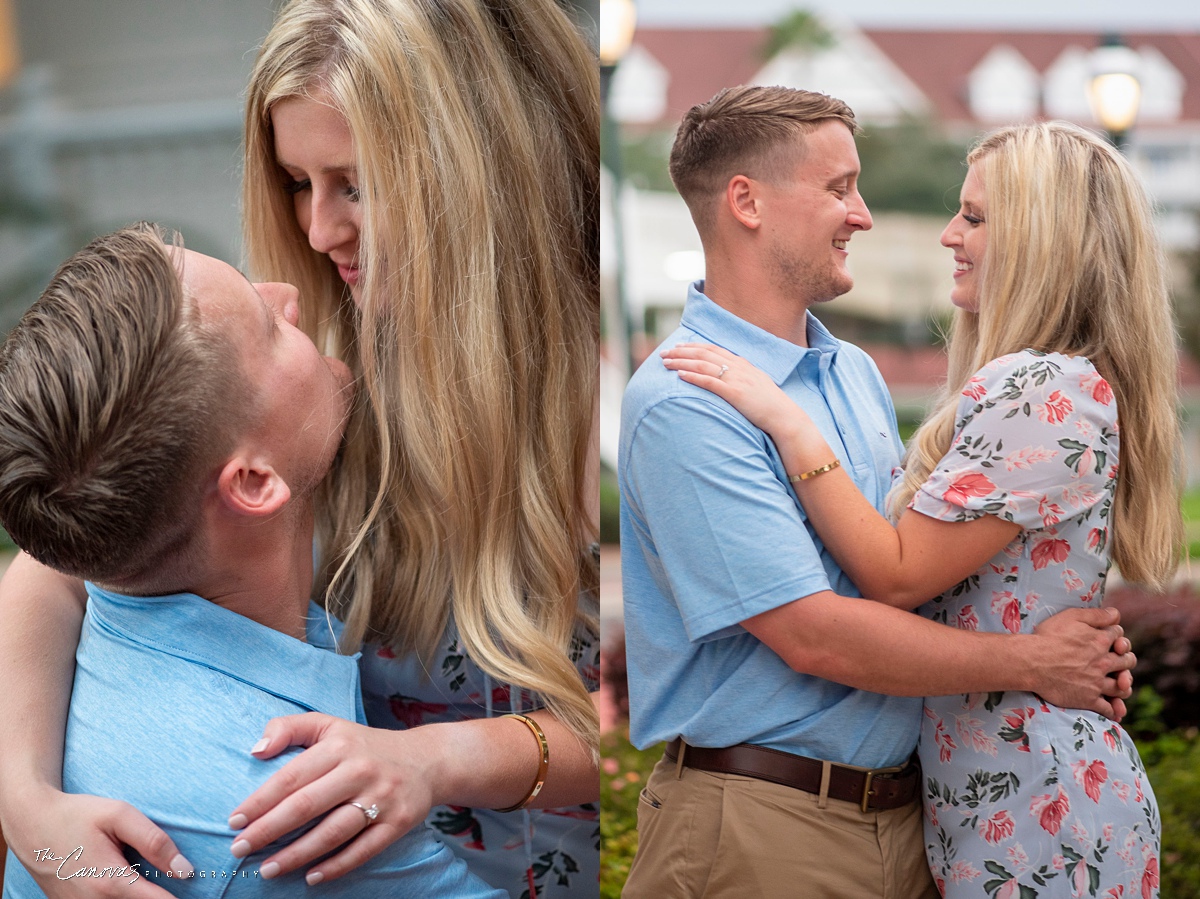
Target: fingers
[1119,709]
[1123,662]
[295,808]
[339,826]
[301,771]
[290,730]
[704,351]
[1124,684]
[131,827]
[373,840]
[1105,708]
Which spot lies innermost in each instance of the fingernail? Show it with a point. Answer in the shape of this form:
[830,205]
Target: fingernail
[240,849]
[238,821]
[313,878]
[260,745]
[269,870]
[182,865]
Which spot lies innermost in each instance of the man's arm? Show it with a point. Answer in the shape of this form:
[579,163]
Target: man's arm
[1068,661]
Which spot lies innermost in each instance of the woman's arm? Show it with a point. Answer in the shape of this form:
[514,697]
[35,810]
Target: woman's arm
[903,566]
[41,612]
[484,763]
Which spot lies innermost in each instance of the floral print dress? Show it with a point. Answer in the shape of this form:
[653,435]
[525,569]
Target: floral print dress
[1024,799]
[556,852]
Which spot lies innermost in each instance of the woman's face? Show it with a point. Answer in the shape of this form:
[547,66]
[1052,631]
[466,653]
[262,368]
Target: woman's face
[966,235]
[315,152]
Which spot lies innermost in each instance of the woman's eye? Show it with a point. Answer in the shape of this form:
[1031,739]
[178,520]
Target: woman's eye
[293,187]
[351,193]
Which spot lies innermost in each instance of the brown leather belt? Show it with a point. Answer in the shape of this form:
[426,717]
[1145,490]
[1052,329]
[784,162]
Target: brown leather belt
[871,790]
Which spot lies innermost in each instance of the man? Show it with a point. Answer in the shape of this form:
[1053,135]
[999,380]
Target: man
[163,423]
[741,631]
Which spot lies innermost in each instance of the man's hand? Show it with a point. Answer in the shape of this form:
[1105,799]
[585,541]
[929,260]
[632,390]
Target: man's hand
[1084,662]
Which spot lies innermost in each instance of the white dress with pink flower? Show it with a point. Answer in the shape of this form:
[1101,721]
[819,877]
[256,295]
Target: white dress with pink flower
[1024,799]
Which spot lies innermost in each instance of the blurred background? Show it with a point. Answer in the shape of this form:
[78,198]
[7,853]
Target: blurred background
[113,111]
[925,78]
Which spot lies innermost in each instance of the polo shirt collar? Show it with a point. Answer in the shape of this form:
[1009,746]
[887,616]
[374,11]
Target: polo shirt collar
[773,355]
[192,628]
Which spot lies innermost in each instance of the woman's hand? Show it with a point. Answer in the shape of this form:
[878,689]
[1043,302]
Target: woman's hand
[345,763]
[739,383]
[59,834]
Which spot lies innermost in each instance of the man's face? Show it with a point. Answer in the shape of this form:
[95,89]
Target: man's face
[812,213]
[302,398]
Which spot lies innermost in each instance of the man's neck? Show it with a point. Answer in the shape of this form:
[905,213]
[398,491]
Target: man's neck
[743,287]
[264,571]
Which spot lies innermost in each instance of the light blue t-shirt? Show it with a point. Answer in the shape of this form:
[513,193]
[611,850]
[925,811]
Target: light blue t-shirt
[170,694]
[712,534]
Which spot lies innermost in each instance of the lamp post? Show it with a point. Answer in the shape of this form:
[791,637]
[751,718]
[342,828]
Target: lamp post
[1115,91]
[617,21]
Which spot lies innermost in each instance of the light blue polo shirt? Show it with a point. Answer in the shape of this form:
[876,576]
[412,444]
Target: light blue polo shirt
[170,694]
[712,534]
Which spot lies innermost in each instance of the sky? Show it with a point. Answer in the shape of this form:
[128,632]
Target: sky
[1129,15]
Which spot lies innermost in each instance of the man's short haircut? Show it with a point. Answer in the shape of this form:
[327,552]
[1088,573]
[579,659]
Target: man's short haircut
[116,402]
[745,130]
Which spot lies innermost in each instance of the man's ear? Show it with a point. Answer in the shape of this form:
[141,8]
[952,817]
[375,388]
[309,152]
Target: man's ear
[252,487]
[742,198]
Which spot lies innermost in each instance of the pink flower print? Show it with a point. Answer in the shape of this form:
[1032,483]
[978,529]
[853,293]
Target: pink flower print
[1056,408]
[1009,890]
[1050,812]
[1139,795]
[1106,833]
[1026,458]
[1097,539]
[1098,387]
[385,652]
[998,827]
[1085,428]
[1079,880]
[975,389]
[1150,877]
[1087,462]
[411,712]
[1112,739]
[1058,863]
[1049,552]
[1008,607]
[1091,777]
[1017,857]
[1071,580]
[967,485]
[1092,593]
[970,731]
[944,742]
[941,886]
[1116,892]
[967,620]
[1121,789]
[1051,512]
[963,870]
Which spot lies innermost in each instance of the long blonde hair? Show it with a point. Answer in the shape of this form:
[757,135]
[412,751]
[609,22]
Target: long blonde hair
[1073,265]
[462,486]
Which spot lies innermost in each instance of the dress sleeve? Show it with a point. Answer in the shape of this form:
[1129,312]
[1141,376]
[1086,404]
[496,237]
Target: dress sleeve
[1035,443]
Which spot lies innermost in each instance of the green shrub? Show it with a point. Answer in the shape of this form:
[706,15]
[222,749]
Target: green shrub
[1173,765]
[623,772]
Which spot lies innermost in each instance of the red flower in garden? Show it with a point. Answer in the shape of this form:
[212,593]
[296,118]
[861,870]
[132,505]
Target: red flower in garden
[1050,812]
[967,485]
[1049,552]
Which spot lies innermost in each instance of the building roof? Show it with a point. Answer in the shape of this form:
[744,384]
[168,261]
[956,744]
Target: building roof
[701,61]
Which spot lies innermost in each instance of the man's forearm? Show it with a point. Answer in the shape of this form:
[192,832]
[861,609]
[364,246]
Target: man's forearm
[874,647]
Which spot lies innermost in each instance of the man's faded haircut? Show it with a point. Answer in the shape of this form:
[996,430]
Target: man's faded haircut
[115,403]
[746,130]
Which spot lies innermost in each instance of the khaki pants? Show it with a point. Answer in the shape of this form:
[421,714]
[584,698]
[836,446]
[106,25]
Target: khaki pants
[719,835]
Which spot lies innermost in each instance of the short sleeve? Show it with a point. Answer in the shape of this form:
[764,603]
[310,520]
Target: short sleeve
[725,531]
[1035,443]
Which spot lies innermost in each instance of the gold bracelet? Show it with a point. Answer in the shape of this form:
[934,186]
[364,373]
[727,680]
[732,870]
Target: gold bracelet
[543,762]
[797,478]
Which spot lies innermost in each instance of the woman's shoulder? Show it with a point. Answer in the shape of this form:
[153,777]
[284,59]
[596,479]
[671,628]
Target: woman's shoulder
[1035,368]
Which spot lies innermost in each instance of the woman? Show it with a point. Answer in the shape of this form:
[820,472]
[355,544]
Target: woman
[1011,507]
[426,172]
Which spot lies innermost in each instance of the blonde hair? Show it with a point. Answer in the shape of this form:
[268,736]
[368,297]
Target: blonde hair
[1073,265]
[462,485]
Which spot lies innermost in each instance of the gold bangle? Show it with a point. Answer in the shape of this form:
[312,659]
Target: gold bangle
[543,762]
[797,478]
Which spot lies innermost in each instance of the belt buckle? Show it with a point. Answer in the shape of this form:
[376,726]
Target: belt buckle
[870,776]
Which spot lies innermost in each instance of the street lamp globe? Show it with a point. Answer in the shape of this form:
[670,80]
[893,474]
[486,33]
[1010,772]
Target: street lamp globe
[617,21]
[1115,89]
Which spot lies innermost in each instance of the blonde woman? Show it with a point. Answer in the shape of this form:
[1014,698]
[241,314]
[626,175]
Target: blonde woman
[426,172]
[1017,492]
